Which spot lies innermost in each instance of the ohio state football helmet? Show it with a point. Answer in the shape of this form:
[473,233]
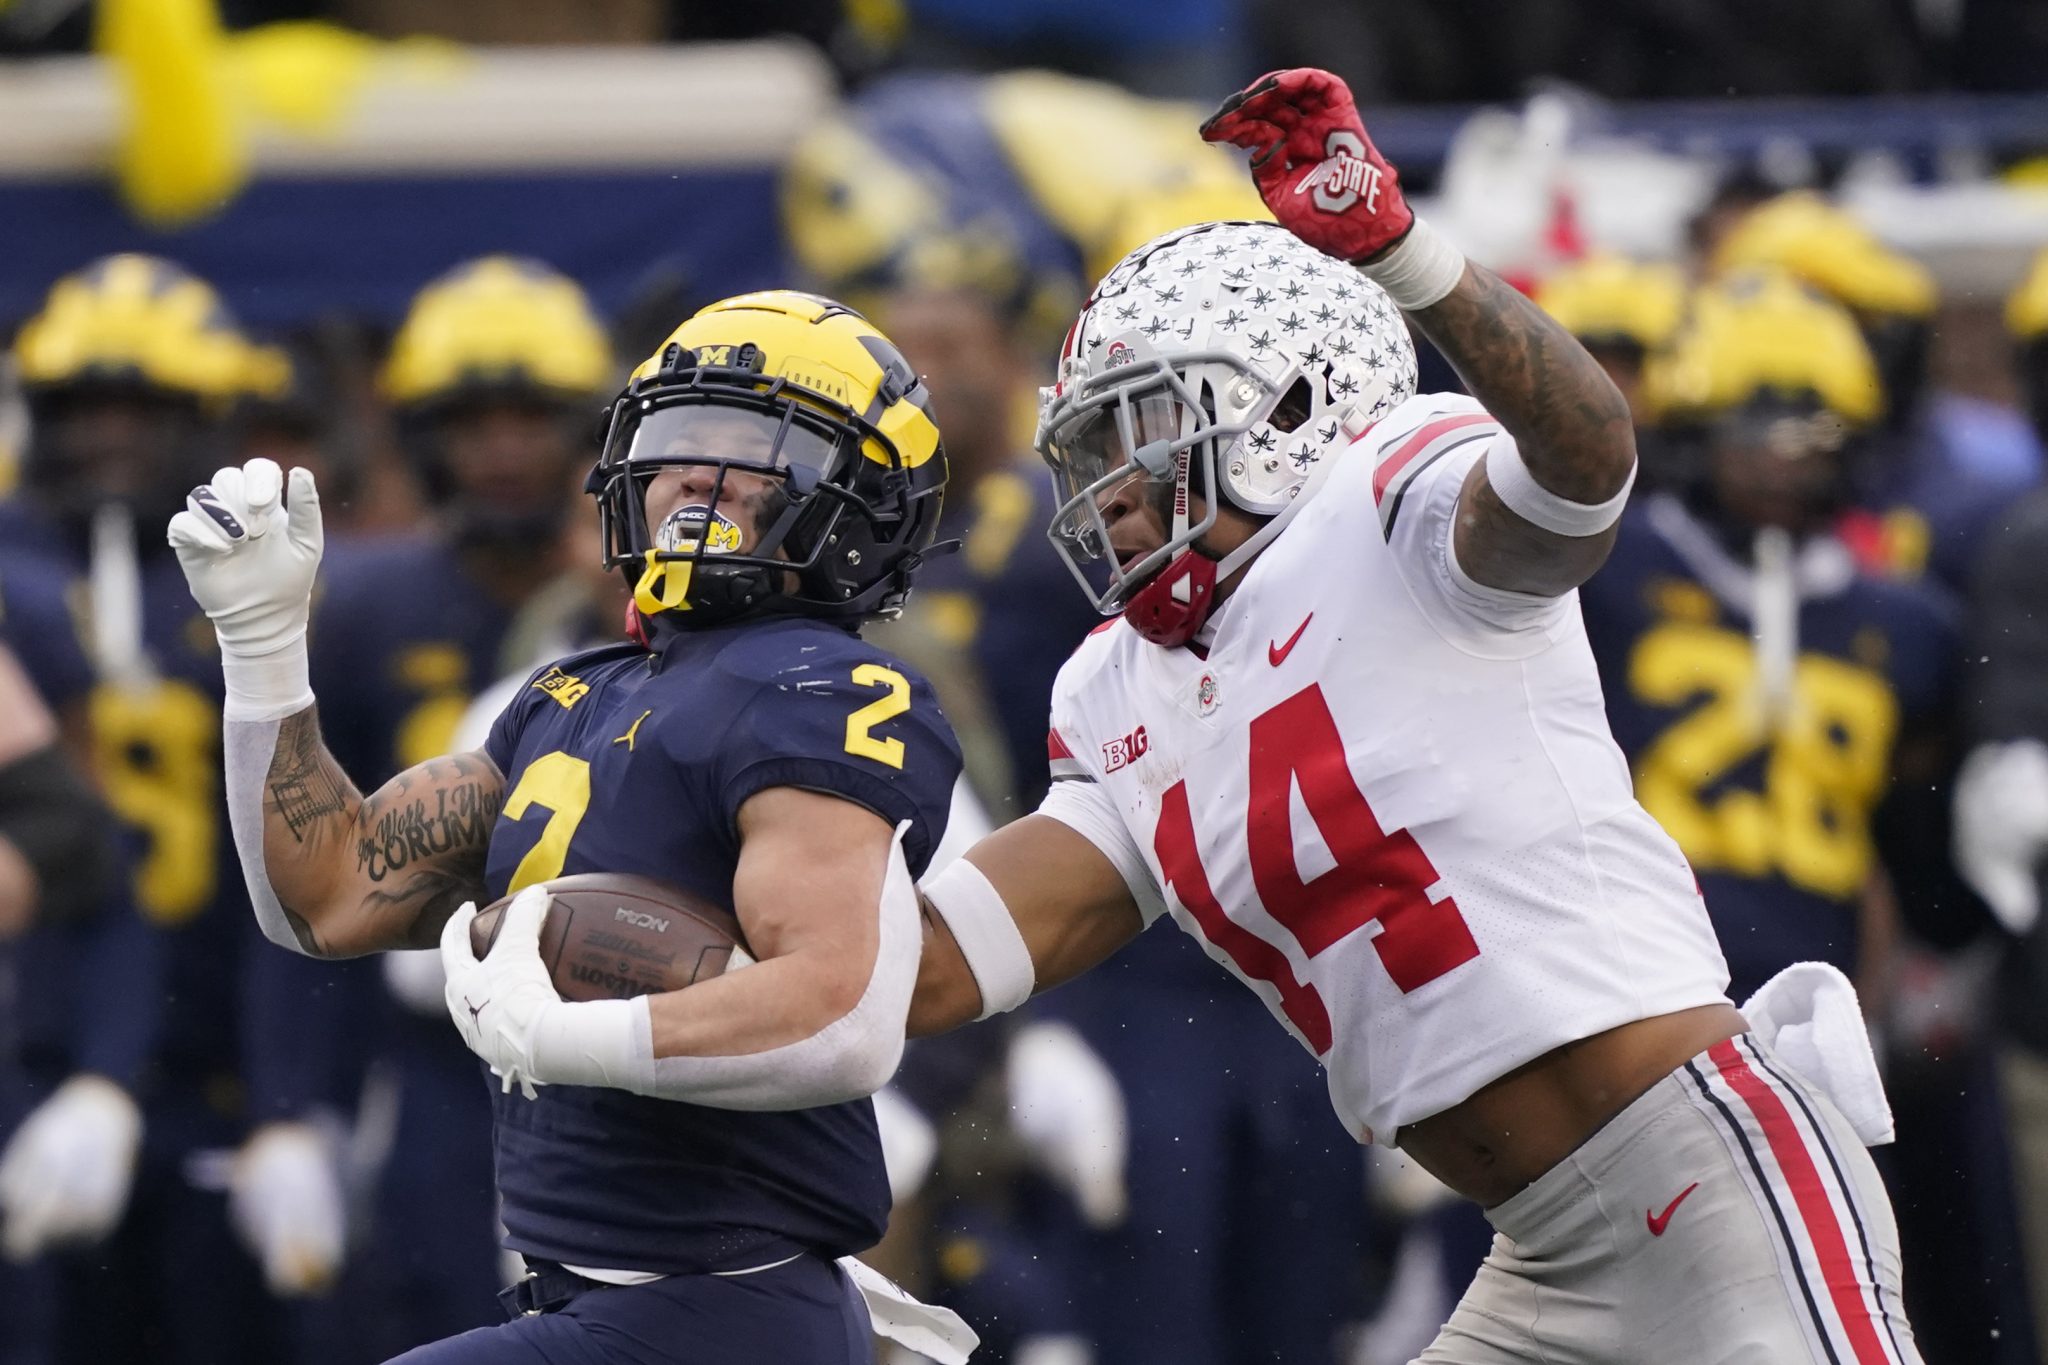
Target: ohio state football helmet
[1224,356]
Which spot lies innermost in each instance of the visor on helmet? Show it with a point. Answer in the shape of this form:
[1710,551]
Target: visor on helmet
[715,433]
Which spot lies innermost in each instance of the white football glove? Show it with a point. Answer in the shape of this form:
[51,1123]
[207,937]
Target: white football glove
[2001,828]
[250,561]
[65,1176]
[1068,1110]
[284,1196]
[509,1014]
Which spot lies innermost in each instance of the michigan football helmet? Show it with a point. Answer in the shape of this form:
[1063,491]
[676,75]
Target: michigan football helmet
[1759,337]
[139,330]
[499,326]
[1612,302]
[1892,296]
[805,392]
[1227,357]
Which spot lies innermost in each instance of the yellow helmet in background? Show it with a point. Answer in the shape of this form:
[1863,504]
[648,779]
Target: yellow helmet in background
[139,322]
[498,325]
[1614,301]
[1824,247]
[1757,336]
[806,392]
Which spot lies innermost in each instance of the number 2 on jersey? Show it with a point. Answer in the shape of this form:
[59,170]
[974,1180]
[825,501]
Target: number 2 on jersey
[1379,875]
[561,783]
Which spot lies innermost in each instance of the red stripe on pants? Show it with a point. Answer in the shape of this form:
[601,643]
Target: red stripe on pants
[1788,1148]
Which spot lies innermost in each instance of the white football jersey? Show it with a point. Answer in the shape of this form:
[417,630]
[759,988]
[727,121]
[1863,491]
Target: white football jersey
[1387,799]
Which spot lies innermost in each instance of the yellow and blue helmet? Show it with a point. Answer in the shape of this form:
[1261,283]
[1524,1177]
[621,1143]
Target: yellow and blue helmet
[1760,338]
[1617,303]
[499,326]
[140,324]
[803,391]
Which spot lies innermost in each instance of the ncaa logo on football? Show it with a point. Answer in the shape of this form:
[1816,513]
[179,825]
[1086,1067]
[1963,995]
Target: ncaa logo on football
[1120,353]
[1121,753]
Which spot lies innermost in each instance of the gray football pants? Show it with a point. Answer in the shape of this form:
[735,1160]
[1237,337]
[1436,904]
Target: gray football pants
[1728,1217]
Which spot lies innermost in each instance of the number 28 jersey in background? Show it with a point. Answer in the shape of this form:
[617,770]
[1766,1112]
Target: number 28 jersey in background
[621,760]
[1387,799]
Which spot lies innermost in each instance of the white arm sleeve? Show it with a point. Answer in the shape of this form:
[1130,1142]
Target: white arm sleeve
[246,750]
[1083,806]
[849,1059]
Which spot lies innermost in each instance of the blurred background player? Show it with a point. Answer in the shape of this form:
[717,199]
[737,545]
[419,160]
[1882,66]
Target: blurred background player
[494,378]
[129,370]
[964,214]
[1932,475]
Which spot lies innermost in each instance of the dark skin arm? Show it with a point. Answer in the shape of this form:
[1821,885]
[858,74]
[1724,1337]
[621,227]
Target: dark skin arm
[360,874]
[1569,421]
[1070,904]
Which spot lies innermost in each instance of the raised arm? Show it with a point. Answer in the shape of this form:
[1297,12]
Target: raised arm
[1538,515]
[330,873]
[1571,428]
[349,874]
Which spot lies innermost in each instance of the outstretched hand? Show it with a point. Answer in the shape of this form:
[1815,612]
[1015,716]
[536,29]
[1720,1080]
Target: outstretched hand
[1313,163]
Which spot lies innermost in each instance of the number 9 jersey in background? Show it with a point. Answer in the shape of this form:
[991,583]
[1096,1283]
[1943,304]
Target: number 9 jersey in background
[1385,797]
[621,760]
[1773,804]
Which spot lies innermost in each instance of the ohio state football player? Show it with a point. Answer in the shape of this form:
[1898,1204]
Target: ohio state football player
[1344,727]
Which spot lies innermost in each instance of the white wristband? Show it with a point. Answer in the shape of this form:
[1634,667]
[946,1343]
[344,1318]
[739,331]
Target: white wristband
[267,686]
[988,937]
[1517,488]
[1420,270]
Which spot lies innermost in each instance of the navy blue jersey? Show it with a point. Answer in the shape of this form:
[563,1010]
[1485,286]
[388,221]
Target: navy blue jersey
[618,760]
[1775,815]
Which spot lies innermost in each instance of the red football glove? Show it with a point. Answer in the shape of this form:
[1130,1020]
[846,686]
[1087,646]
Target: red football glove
[1313,164]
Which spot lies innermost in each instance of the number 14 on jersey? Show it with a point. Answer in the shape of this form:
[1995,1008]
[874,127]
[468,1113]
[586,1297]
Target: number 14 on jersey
[1380,875]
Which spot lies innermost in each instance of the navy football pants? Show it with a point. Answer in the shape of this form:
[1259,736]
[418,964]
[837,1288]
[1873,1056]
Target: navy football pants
[805,1311]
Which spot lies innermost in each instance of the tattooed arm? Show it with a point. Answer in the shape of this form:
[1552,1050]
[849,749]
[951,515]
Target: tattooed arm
[355,874]
[1568,420]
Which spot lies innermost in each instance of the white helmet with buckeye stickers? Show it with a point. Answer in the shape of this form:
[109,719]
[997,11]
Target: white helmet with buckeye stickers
[1225,356]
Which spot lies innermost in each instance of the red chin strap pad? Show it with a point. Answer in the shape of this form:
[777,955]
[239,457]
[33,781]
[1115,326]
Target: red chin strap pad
[636,628]
[1157,615]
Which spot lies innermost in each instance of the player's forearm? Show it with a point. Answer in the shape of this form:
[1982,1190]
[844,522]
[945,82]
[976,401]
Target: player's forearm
[344,875]
[1569,421]
[765,1005]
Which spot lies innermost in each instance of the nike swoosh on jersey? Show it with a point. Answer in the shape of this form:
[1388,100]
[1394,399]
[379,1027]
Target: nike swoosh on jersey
[1658,1221]
[1277,654]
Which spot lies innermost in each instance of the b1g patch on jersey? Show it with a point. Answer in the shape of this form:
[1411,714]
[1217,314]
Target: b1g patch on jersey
[566,690]
[1121,753]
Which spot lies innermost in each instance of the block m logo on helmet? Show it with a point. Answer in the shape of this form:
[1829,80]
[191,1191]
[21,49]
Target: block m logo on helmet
[1344,176]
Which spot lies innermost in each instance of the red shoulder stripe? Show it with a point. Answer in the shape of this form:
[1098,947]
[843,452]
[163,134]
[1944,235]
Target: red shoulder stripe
[1391,466]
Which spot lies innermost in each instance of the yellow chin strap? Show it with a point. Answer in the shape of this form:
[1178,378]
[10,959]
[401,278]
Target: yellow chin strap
[665,584]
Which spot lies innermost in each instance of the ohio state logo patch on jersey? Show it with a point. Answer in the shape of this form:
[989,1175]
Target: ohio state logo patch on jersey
[1121,753]
[1205,693]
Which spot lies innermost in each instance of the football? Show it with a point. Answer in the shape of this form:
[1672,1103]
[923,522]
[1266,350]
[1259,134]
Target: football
[612,937]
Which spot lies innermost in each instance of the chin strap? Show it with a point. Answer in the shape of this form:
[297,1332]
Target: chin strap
[1172,608]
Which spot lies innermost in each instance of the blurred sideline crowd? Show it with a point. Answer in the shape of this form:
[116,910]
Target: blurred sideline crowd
[1823,636]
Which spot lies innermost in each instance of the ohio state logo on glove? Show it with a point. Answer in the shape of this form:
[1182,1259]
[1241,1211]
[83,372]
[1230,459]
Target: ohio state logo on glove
[1313,163]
